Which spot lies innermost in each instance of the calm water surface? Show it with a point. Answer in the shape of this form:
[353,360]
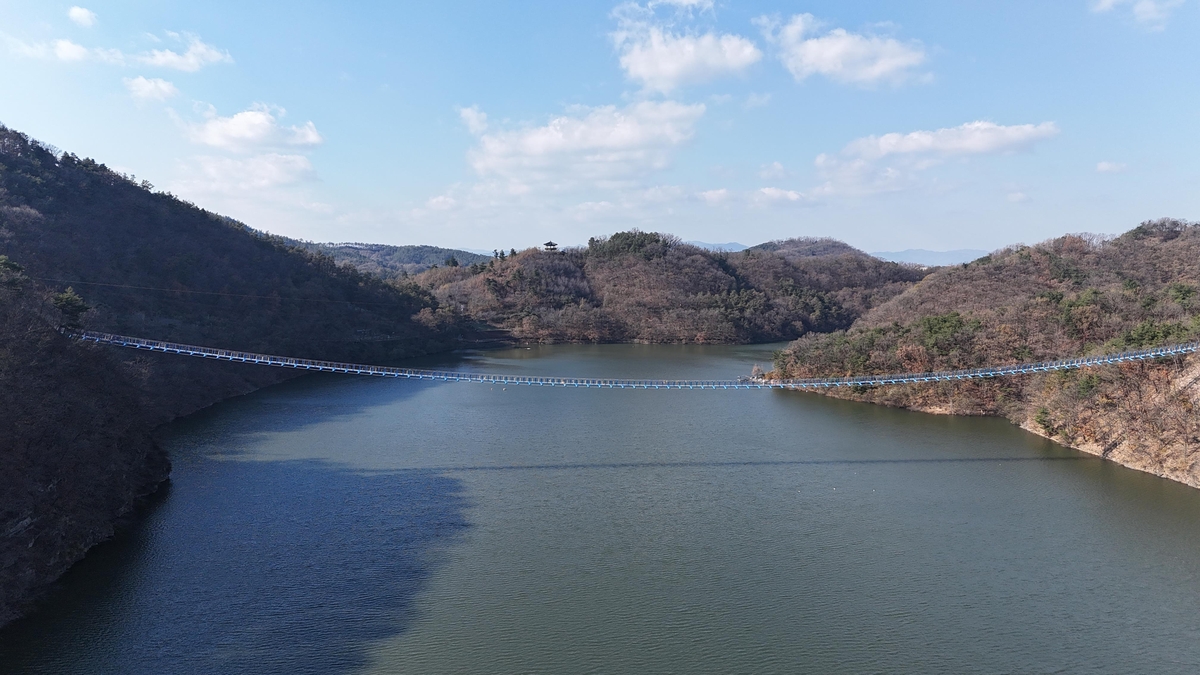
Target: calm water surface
[342,525]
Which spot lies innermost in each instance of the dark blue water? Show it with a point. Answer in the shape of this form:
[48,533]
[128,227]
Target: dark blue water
[341,525]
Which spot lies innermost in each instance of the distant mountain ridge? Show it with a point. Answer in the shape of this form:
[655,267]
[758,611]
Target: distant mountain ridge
[730,246]
[922,256]
[387,261]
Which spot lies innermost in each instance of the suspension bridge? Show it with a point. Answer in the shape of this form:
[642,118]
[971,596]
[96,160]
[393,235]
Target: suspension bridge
[606,383]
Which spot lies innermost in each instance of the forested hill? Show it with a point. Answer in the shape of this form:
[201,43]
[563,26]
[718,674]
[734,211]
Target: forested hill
[809,247]
[650,287]
[81,245]
[392,263]
[150,264]
[1072,296]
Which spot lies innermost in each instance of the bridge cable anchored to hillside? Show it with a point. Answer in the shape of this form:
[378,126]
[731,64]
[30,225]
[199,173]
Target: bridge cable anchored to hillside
[607,383]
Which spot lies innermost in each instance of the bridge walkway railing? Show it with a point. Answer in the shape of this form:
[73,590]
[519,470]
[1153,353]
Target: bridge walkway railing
[609,383]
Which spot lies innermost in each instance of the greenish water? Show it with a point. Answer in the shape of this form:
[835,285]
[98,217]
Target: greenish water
[345,525]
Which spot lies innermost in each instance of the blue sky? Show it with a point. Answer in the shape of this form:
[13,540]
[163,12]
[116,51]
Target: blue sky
[890,125]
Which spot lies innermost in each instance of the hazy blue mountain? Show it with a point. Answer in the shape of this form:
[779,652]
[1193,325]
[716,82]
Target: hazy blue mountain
[932,258]
[730,246]
[387,261]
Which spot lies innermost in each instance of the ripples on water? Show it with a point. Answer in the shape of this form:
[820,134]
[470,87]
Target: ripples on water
[337,525]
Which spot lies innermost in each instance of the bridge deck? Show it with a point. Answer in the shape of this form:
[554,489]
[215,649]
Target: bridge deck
[740,383]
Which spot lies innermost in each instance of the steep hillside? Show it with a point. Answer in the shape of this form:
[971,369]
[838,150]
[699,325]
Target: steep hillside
[1075,295]
[84,246]
[650,287]
[76,453]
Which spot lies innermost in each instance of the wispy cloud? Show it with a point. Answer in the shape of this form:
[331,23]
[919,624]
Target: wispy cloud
[231,175]
[772,170]
[197,55]
[840,55]
[1110,167]
[62,50]
[155,89]
[687,5]
[601,145]
[894,161]
[972,138]
[475,119]
[1152,14]
[587,165]
[718,196]
[774,195]
[756,101]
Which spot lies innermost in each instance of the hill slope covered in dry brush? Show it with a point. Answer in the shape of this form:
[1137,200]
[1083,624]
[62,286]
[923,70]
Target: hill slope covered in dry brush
[650,287]
[1072,296]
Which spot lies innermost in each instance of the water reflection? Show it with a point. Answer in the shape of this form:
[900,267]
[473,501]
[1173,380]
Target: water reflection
[289,569]
[610,531]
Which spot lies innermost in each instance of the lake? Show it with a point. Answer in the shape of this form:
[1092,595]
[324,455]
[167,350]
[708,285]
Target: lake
[338,524]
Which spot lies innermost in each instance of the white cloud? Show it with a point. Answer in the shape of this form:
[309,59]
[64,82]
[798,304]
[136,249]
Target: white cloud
[842,56]
[894,161]
[143,89]
[774,195]
[593,145]
[198,55]
[1110,167]
[474,118]
[663,61]
[230,175]
[262,177]
[1017,197]
[65,50]
[971,138]
[714,196]
[250,129]
[592,165]
[1150,13]
[81,16]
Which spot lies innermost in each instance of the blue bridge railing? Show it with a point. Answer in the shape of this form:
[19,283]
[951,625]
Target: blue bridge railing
[606,383]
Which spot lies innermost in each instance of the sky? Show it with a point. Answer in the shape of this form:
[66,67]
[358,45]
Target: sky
[481,125]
